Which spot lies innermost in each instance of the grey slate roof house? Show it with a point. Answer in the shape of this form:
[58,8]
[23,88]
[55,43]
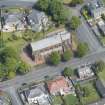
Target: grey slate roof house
[96,8]
[37,95]
[37,20]
[40,50]
[4,99]
[13,21]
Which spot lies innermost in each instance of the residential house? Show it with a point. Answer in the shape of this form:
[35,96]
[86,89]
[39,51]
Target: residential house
[4,99]
[37,20]
[100,88]
[56,42]
[37,95]
[96,8]
[60,85]
[85,72]
[13,22]
[101,26]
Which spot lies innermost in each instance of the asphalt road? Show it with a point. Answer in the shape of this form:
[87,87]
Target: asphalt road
[40,72]
[102,102]
[19,3]
[85,34]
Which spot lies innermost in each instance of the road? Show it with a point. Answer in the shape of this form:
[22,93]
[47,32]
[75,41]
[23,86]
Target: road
[102,102]
[40,72]
[19,3]
[85,34]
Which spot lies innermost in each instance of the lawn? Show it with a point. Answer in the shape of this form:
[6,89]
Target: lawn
[102,75]
[92,96]
[56,100]
[15,44]
[13,10]
[71,100]
[67,1]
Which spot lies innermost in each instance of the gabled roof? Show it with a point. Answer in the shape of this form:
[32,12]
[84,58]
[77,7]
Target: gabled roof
[36,16]
[55,39]
[57,84]
[14,17]
[37,91]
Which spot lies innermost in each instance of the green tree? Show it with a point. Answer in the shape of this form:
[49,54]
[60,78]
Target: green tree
[67,55]
[43,5]
[7,53]
[11,74]
[55,58]
[75,2]
[22,68]
[75,22]
[103,16]
[99,66]
[82,49]
[1,71]
[68,72]
[11,64]
[58,11]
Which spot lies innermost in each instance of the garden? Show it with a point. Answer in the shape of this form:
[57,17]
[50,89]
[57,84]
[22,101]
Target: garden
[90,94]
[70,100]
[56,100]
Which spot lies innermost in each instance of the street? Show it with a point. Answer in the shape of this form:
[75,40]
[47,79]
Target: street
[19,3]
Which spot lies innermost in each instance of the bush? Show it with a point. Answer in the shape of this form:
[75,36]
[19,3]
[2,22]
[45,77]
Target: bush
[82,49]
[67,55]
[55,58]
[68,72]
[11,74]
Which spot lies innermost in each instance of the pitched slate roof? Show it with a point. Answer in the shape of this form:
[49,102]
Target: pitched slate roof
[50,41]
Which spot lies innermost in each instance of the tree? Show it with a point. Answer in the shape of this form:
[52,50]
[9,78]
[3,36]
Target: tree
[55,58]
[11,64]
[99,66]
[22,68]
[75,22]
[2,73]
[68,72]
[103,16]
[67,55]
[11,74]
[43,5]
[58,11]
[75,2]
[7,52]
[82,49]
